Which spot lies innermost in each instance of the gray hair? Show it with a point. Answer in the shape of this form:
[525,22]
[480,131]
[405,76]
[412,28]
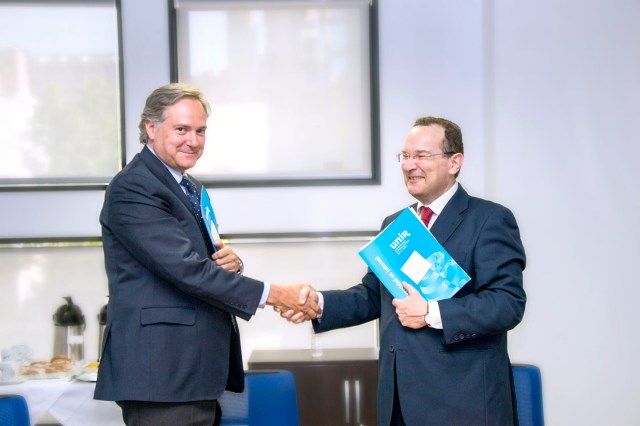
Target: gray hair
[163,97]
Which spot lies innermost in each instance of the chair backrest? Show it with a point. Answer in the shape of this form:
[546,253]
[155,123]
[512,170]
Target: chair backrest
[528,384]
[269,398]
[13,411]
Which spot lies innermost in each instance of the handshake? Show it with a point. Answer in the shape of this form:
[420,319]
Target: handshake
[297,302]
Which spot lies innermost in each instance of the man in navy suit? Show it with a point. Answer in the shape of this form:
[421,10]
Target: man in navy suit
[444,362]
[171,345]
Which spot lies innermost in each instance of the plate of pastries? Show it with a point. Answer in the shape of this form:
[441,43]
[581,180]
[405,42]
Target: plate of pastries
[57,367]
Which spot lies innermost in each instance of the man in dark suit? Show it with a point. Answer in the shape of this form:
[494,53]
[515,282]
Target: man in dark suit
[171,344]
[444,362]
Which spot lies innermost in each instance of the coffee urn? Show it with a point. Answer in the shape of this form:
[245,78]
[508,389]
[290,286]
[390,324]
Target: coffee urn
[102,323]
[69,325]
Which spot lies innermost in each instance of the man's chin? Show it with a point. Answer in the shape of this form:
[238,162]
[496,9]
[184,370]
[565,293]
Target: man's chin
[414,189]
[188,163]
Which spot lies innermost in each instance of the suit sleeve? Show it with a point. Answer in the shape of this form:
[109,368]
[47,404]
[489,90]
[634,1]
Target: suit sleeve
[496,300]
[353,306]
[153,228]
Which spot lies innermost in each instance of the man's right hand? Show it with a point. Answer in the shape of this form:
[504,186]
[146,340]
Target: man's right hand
[307,295]
[297,302]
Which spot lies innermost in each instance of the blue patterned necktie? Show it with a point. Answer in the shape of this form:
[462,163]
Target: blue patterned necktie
[194,200]
[192,194]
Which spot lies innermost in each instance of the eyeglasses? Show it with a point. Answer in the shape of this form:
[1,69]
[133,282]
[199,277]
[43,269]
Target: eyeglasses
[403,157]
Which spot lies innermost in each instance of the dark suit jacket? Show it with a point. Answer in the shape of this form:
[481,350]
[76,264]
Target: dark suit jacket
[170,335]
[459,375]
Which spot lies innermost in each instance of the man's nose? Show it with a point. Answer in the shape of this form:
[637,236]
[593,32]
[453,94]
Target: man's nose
[410,163]
[192,137]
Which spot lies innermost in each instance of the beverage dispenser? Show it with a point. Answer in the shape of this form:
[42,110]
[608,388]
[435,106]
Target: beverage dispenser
[69,328]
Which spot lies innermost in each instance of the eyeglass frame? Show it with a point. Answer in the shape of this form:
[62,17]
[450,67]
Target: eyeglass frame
[419,158]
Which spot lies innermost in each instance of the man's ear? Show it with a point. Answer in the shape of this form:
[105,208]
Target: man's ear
[151,129]
[455,163]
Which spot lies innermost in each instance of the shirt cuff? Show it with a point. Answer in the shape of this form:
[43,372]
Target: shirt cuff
[321,305]
[433,318]
[265,294]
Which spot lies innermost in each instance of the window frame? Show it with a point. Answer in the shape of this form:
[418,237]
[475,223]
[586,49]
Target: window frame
[374,177]
[79,183]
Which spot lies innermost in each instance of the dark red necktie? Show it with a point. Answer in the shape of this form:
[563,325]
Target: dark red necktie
[425,215]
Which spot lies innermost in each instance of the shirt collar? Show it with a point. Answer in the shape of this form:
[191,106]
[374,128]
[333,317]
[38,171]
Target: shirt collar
[438,204]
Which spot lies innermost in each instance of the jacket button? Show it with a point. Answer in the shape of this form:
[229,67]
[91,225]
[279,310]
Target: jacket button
[474,335]
[391,348]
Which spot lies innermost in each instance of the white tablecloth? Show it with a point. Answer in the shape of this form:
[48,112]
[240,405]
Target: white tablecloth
[69,403]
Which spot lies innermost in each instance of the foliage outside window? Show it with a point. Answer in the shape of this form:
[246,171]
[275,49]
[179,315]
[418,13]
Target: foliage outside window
[60,107]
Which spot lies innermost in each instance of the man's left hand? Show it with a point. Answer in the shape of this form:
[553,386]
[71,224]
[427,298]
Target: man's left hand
[226,258]
[412,309]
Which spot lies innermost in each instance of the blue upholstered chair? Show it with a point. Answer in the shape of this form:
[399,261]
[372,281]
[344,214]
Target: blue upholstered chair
[269,398]
[13,411]
[528,384]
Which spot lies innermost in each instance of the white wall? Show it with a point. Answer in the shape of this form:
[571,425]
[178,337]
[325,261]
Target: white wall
[567,103]
[548,94]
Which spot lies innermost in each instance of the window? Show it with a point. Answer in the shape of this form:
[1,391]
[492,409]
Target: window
[293,88]
[60,101]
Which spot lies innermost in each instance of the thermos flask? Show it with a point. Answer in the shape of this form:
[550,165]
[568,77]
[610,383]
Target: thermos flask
[69,328]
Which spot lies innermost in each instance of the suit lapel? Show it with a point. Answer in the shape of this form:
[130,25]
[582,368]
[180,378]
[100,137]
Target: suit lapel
[160,171]
[451,216]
